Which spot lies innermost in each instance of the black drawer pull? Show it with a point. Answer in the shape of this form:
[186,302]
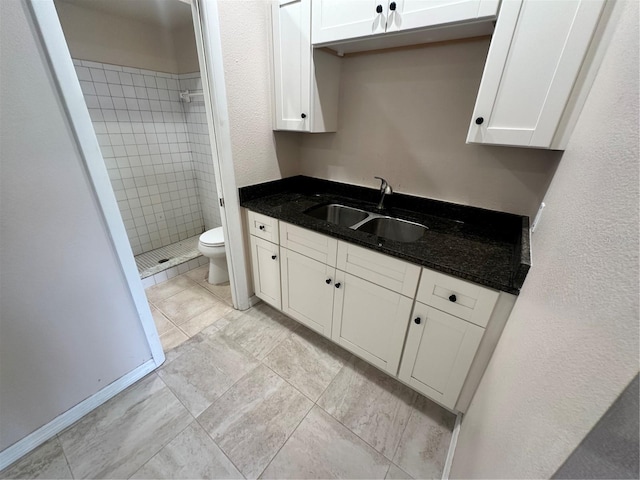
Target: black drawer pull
[452,298]
[417,320]
[328,281]
[338,285]
[273,257]
[261,227]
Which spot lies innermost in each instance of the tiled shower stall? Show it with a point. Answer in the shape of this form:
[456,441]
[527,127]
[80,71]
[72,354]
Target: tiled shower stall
[156,149]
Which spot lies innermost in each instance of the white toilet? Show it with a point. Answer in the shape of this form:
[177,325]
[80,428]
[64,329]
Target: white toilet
[211,245]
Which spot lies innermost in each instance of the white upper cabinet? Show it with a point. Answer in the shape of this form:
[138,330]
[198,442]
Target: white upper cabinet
[305,81]
[410,14]
[340,20]
[535,71]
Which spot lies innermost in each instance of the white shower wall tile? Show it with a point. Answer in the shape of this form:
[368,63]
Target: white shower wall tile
[195,116]
[156,149]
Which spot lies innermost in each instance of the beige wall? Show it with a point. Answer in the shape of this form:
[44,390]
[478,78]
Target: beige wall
[571,344]
[259,154]
[184,49]
[103,37]
[404,115]
[68,324]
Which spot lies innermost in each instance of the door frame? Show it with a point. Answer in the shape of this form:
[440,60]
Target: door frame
[71,97]
[206,27]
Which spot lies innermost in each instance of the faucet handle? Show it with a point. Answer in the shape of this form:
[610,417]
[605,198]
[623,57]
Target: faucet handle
[383,184]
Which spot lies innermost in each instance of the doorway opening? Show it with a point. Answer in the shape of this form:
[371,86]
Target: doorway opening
[138,67]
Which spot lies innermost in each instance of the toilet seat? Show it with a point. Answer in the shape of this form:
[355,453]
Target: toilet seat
[213,237]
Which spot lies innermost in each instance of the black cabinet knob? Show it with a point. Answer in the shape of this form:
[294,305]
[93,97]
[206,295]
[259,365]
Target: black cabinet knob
[452,298]
[261,227]
[273,257]
[392,6]
[379,9]
[479,121]
[328,281]
[417,320]
[338,285]
[303,115]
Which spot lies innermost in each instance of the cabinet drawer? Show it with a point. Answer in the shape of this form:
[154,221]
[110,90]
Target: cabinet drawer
[389,272]
[263,227]
[465,300]
[438,353]
[308,243]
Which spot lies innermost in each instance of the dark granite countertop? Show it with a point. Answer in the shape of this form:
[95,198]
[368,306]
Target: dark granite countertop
[484,246]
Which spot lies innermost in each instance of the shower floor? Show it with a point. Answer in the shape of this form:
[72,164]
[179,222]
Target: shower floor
[149,262]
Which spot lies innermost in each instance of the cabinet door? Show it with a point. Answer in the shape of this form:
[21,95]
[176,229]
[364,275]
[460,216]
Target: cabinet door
[438,353]
[536,53]
[409,14]
[266,271]
[307,291]
[334,20]
[291,64]
[370,321]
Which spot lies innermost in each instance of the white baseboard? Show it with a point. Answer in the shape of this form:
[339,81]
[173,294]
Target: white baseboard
[452,448]
[55,426]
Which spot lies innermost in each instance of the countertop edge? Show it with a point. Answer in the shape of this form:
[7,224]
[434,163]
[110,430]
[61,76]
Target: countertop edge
[521,259]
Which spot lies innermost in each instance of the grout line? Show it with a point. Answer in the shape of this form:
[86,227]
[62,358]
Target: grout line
[64,454]
[413,411]
[289,437]
[216,401]
[172,438]
[350,360]
[355,434]
[219,447]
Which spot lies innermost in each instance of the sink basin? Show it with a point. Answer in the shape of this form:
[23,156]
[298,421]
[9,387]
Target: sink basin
[338,214]
[393,229]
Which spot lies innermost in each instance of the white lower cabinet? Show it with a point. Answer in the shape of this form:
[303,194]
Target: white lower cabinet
[370,321]
[307,291]
[363,300]
[438,353]
[265,258]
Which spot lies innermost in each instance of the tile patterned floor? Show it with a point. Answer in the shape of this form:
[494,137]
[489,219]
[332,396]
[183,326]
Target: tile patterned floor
[185,305]
[248,395]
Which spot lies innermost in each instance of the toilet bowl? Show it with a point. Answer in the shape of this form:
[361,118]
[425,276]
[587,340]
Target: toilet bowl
[211,245]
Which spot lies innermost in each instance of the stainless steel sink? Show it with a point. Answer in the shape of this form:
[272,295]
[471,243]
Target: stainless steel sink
[338,214]
[393,229]
[362,221]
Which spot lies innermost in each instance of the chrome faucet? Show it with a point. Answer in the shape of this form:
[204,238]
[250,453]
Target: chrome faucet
[385,189]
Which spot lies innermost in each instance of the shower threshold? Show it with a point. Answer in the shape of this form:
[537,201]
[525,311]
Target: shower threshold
[163,258]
